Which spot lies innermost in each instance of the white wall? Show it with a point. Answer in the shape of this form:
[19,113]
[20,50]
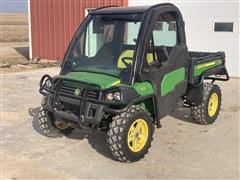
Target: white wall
[199,18]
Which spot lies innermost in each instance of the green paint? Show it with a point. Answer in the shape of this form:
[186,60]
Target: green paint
[107,81]
[103,80]
[201,67]
[143,88]
[171,80]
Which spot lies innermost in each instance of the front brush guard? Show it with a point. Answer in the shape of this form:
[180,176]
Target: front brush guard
[44,90]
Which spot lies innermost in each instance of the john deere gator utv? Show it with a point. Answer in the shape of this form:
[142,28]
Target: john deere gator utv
[124,70]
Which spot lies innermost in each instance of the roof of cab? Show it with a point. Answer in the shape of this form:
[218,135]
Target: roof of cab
[124,9]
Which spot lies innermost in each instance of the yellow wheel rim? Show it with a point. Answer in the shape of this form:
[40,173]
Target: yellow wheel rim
[213,105]
[137,135]
[62,125]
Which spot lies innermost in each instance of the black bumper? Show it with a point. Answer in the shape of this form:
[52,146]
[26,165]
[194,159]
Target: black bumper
[86,108]
[90,114]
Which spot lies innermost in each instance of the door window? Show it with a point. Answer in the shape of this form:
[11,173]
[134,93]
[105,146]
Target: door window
[167,34]
[164,37]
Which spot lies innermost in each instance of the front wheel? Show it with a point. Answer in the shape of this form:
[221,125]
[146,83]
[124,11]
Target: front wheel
[49,126]
[130,134]
[207,112]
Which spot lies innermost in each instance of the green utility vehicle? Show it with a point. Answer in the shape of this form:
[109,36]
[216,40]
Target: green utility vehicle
[124,70]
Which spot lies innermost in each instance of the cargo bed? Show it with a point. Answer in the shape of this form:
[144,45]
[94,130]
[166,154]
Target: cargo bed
[207,65]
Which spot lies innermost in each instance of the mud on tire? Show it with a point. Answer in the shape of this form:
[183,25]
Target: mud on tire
[118,134]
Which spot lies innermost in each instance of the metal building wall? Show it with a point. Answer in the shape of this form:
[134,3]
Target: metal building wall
[53,23]
[199,17]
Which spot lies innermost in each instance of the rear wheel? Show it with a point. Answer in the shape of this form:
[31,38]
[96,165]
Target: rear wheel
[207,112]
[130,134]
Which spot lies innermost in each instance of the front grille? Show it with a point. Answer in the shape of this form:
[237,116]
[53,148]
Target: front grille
[68,90]
[93,94]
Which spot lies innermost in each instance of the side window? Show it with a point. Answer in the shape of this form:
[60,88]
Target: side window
[164,37]
[167,34]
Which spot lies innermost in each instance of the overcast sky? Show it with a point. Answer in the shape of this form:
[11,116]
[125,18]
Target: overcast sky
[13,6]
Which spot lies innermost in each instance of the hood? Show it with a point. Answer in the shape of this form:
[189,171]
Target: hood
[103,80]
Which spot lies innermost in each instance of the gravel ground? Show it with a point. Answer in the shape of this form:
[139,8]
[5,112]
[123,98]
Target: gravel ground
[181,149]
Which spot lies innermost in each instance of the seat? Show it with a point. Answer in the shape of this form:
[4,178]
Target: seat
[129,54]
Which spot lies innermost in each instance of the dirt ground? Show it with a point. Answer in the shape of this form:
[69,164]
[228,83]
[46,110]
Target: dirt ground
[181,149]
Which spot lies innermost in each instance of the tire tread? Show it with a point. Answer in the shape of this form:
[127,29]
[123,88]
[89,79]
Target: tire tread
[198,112]
[116,132]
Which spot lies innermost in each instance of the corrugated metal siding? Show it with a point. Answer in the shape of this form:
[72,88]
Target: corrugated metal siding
[53,23]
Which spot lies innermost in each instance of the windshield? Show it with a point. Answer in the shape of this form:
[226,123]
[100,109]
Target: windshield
[105,45]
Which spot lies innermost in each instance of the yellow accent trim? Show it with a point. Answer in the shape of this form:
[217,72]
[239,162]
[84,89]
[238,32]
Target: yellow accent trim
[206,65]
[115,83]
[137,135]
[213,104]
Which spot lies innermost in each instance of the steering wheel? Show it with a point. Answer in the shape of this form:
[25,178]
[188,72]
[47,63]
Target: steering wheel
[128,65]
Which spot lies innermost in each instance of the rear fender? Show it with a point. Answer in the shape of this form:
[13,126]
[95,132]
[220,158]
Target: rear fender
[194,94]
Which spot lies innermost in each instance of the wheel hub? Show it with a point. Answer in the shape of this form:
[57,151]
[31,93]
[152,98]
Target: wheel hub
[213,104]
[61,125]
[137,135]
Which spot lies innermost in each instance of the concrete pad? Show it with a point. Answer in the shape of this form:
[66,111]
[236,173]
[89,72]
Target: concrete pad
[181,149]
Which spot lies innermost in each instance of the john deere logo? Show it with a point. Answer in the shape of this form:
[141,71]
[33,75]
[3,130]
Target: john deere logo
[77,92]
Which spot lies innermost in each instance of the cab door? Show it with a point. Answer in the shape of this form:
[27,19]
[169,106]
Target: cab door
[168,72]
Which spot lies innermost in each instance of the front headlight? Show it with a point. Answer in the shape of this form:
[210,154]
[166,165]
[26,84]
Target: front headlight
[48,83]
[109,96]
[117,96]
[120,95]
